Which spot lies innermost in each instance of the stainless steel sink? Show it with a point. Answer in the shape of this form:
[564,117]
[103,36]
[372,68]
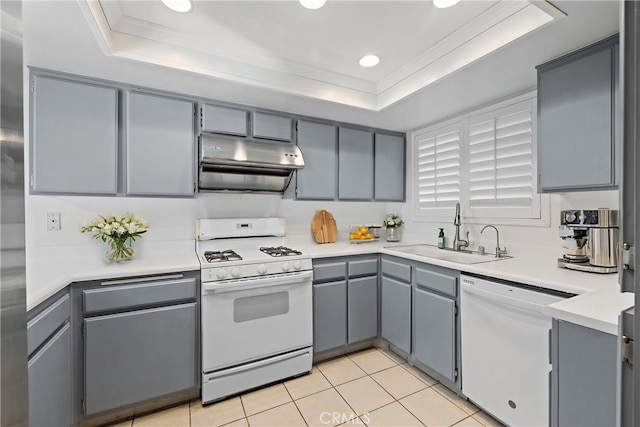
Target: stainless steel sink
[462,257]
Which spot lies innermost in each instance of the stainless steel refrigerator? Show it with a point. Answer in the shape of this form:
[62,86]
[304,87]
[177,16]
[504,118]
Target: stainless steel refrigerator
[630,46]
[13,325]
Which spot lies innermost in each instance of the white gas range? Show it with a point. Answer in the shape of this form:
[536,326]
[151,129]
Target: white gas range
[257,318]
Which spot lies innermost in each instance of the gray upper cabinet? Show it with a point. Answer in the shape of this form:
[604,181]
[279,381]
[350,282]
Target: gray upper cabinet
[577,112]
[272,126]
[74,139]
[355,164]
[160,145]
[222,119]
[389,179]
[317,181]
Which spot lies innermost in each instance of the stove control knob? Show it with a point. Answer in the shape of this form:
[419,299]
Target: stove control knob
[262,269]
[236,272]
[222,273]
[286,266]
[297,265]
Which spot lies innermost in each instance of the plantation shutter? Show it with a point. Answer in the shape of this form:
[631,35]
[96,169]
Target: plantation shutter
[438,168]
[501,163]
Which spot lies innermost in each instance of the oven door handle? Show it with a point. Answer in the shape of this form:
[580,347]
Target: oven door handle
[259,282]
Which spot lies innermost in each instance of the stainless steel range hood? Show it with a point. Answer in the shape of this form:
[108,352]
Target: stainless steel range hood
[241,164]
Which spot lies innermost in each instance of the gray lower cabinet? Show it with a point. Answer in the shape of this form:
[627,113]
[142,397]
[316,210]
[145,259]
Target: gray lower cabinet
[577,114]
[74,137]
[355,168]
[329,316]
[396,313]
[583,376]
[345,304]
[223,119]
[317,181]
[434,332]
[160,145]
[140,355]
[49,342]
[389,167]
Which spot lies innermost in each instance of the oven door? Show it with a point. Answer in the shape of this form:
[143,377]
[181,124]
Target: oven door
[249,319]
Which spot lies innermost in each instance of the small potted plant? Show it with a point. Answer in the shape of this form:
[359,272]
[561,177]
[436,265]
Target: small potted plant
[392,223]
[118,233]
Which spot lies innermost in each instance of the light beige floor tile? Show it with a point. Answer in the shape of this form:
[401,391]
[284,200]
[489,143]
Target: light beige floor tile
[433,409]
[127,423]
[341,370]
[240,423]
[285,415]
[325,408]
[353,422]
[398,382]
[173,417]
[469,422]
[308,384]
[463,404]
[391,355]
[487,419]
[393,415]
[263,399]
[364,395]
[372,360]
[420,375]
[217,414]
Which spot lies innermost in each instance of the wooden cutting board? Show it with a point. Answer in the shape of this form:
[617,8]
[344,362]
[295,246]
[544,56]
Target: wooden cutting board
[323,227]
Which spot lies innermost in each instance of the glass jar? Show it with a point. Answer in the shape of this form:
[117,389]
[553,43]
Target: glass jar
[393,234]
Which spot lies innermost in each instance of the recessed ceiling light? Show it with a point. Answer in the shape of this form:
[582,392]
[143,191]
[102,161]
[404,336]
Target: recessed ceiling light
[178,5]
[369,61]
[444,3]
[312,4]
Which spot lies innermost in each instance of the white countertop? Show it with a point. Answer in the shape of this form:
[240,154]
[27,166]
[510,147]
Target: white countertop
[50,269]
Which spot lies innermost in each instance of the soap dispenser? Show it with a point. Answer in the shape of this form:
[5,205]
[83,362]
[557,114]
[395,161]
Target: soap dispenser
[441,239]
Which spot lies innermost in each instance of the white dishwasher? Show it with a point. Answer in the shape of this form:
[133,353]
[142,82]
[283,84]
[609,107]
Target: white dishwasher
[505,350]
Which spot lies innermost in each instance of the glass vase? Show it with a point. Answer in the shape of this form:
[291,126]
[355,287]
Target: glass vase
[118,250]
[393,234]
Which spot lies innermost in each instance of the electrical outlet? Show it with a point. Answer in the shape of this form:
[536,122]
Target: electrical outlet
[53,221]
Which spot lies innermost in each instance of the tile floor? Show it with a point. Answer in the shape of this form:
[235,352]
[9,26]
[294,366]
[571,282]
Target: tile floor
[369,388]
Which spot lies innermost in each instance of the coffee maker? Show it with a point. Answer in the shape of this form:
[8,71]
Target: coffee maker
[591,240]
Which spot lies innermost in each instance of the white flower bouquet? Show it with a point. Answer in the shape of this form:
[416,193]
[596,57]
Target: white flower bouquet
[392,221]
[119,232]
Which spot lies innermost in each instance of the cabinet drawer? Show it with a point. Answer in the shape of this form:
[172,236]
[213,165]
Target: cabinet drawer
[272,126]
[439,282]
[216,118]
[397,270]
[41,327]
[139,295]
[329,271]
[364,267]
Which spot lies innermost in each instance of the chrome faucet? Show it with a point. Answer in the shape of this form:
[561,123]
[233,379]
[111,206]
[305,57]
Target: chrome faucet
[499,252]
[459,243]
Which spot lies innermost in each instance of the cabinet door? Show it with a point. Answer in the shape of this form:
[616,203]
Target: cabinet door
[355,164]
[585,363]
[389,179]
[50,382]
[220,119]
[160,146]
[136,356]
[362,309]
[575,123]
[329,316]
[317,181]
[272,126]
[434,332]
[396,313]
[75,137]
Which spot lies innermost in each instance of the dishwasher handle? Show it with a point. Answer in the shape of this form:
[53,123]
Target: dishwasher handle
[502,299]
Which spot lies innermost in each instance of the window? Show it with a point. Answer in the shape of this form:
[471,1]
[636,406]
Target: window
[485,160]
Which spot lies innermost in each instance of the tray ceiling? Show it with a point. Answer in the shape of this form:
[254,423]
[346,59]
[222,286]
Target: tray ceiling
[282,46]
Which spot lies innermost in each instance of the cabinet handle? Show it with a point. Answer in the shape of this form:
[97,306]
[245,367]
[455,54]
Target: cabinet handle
[141,279]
